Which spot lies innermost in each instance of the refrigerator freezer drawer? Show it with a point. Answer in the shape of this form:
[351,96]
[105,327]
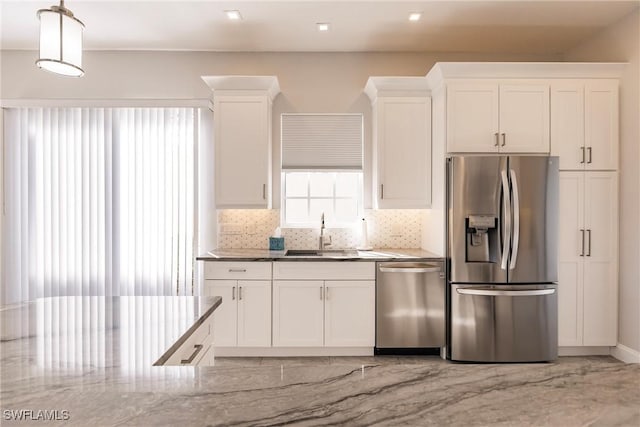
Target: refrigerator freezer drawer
[497,323]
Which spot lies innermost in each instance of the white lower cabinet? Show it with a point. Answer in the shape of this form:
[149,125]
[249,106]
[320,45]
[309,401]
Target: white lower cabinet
[298,313]
[244,317]
[315,313]
[349,313]
[196,350]
[587,267]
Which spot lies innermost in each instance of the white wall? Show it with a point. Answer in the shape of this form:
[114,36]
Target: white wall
[310,82]
[621,43]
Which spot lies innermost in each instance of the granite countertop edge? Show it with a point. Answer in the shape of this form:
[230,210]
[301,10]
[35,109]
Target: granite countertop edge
[381,254]
[214,303]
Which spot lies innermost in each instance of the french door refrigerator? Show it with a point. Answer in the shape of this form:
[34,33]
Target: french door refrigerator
[502,228]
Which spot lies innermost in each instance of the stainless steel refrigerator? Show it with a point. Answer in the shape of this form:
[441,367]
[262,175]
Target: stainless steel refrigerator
[502,228]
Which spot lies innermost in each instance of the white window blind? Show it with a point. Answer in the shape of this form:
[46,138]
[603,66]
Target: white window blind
[98,201]
[321,141]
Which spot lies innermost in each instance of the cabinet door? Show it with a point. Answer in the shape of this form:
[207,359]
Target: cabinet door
[601,249]
[349,319]
[601,119]
[570,258]
[567,124]
[472,117]
[225,316]
[298,313]
[254,313]
[243,152]
[403,152]
[524,118]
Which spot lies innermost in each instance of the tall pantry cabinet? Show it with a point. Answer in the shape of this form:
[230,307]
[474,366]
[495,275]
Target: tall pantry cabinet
[584,134]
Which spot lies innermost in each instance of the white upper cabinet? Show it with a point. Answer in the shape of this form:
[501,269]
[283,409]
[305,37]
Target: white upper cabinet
[242,139]
[524,118]
[472,117]
[492,117]
[401,141]
[601,119]
[584,124]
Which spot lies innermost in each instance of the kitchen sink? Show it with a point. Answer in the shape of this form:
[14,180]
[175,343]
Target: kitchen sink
[328,253]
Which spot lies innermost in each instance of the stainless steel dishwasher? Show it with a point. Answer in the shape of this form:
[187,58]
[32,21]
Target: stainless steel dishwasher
[410,305]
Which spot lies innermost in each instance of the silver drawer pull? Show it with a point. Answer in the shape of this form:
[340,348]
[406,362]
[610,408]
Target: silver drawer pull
[410,269]
[237,270]
[198,349]
[494,292]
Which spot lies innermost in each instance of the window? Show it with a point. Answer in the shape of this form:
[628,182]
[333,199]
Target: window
[307,195]
[322,169]
[99,201]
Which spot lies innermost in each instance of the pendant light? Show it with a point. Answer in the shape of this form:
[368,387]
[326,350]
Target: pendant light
[60,41]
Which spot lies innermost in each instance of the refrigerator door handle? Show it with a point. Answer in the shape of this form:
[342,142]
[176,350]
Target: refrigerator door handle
[516,220]
[506,203]
[496,292]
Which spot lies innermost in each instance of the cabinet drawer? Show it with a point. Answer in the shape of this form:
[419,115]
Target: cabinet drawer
[252,270]
[324,270]
[194,348]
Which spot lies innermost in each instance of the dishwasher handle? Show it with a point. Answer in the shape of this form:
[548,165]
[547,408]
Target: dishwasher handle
[399,269]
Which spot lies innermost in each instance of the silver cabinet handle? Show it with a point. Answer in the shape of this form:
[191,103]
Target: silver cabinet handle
[237,270]
[582,245]
[507,220]
[497,135]
[240,292]
[589,153]
[326,293]
[198,348]
[516,220]
[504,139]
[381,191]
[321,294]
[233,293]
[410,269]
[501,293]
[582,149]
[589,242]
[264,191]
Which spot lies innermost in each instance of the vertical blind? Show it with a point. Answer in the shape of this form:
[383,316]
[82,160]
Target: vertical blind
[98,201]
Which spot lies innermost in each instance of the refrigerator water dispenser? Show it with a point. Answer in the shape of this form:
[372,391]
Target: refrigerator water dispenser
[481,236]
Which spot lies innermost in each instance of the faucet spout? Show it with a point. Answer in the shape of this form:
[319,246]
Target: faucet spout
[321,240]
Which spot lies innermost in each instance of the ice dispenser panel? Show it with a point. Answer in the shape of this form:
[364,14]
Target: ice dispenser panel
[481,238]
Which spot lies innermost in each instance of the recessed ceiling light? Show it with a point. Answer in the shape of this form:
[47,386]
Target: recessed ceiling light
[233,15]
[415,16]
[323,26]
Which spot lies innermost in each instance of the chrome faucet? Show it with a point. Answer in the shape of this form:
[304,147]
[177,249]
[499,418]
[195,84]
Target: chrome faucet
[322,243]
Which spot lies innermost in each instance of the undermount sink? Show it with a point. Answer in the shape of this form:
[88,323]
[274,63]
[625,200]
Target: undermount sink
[329,253]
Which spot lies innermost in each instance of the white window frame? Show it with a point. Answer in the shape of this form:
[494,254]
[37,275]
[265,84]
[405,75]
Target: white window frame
[315,223]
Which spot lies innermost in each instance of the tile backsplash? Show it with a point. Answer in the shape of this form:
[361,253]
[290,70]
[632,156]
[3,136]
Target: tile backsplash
[251,228]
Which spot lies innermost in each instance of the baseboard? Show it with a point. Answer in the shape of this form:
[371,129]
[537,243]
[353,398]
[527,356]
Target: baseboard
[291,351]
[584,351]
[625,354]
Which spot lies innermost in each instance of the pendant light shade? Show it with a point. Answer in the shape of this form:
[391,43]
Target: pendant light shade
[60,41]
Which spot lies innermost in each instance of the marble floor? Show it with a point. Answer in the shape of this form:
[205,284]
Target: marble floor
[358,391]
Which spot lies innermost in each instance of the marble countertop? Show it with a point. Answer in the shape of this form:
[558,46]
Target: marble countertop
[124,332]
[381,254]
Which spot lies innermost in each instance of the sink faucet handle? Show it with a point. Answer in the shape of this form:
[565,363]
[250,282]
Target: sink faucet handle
[329,242]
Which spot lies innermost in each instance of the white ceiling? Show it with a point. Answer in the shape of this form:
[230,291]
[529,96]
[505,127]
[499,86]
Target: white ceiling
[505,26]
